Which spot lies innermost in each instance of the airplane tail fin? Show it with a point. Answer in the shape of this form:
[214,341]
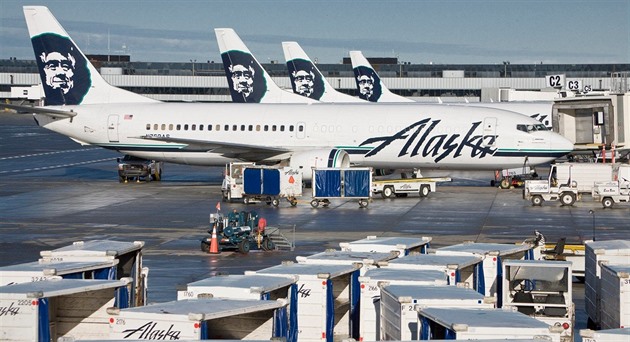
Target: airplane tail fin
[247,79]
[369,84]
[68,78]
[307,80]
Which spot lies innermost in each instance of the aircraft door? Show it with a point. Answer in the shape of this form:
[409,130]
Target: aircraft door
[112,128]
[489,130]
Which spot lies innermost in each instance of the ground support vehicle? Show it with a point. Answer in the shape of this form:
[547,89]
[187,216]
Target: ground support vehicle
[615,295]
[610,193]
[542,290]
[513,178]
[538,191]
[239,231]
[584,175]
[331,183]
[251,183]
[401,187]
[130,168]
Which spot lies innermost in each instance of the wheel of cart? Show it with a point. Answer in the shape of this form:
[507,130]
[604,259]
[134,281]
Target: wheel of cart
[267,244]
[275,202]
[608,202]
[425,190]
[243,246]
[567,198]
[363,203]
[293,201]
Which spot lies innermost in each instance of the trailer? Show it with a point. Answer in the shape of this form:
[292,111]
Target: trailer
[254,183]
[493,254]
[198,319]
[329,183]
[464,269]
[328,299]
[45,270]
[513,177]
[474,324]
[372,282]
[399,318]
[606,335]
[583,174]
[615,295]
[609,193]
[613,252]
[401,187]
[57,308]
[542,290]
[367,260]
[385,244]
[128,254]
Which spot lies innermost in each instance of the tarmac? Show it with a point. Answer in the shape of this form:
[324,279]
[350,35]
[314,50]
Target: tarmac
[54,191]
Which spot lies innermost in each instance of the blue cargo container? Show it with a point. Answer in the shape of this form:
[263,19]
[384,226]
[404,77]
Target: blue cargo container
[341,183]
[261,181]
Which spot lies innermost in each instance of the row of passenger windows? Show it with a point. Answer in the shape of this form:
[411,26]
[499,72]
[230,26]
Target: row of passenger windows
[217,127]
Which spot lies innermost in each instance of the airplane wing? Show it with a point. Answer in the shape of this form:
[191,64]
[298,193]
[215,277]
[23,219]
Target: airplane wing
[228,150]
[40,110]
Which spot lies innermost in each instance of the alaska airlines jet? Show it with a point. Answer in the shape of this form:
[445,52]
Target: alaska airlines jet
[369,84]
[307,80]
[83,106]
[247,80]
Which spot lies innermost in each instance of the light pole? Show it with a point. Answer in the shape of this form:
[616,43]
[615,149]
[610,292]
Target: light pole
[505,64]
[593,215]
[193,61]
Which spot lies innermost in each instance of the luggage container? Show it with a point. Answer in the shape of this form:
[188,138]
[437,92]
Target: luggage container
[50,309]
[473,324]
[128,254]
[399,318]
[612,251]
[607,335]
[197,319]
[615,296]
[368,260]
[264,183]
[330,183]
[328,299]
[493,254]
[44,270]
[371,283]
[386,244]
[466,269]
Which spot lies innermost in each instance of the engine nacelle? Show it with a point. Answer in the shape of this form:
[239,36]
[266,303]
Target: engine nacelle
[305,161]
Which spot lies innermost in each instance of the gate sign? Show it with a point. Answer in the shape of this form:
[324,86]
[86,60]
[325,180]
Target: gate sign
[555,81]
[587,88]
[574,85]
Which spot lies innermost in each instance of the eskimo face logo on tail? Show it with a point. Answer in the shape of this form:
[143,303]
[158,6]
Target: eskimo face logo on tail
[305,79]
[63,69]
[420,140]
[245,77]
[368,83]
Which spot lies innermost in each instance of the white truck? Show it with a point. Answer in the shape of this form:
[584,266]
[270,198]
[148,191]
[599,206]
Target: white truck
[610,193]
[551,189]
[585,175]
[402,187]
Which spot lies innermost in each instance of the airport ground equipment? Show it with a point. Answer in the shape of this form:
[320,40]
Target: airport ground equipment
[597,252]
[609,193]
[386,244]
[130,168]
[330,183]
[199,319]
[128,254]
[57,308]
[474,324]
[605,335]
[240,231]
[467,269]
[401,187]
[551,189]
[561,251]
[253,183]
[492,254]
[372,282]
[542,290]
[44,270]
[514,177]
[399,318]
[583,174]
[328,299]
[367,260]
[615,295]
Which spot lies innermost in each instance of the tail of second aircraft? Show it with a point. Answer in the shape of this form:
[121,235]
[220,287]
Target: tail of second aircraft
[369,84]
[68,78]
[247,79]
[307,80]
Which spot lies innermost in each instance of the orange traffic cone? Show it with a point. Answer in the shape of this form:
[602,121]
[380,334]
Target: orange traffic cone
[214,242]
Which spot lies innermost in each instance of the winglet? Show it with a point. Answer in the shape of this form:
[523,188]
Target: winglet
[369,84]
[247,80]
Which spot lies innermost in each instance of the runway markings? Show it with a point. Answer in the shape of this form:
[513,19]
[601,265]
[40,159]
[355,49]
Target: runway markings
[60,166]
[50,153]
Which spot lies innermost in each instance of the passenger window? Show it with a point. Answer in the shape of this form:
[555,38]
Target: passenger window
[234,128]
[281,128]
[250,128]
[148,127]
[209,127]
[291,128]
[201,127]
[185,127]
[273,128]
[155,127]
[179,127]
[242,128]
[257,128]
[301,128]
[218,127]
[170,127]
[226,127]
[164,127]
[193,127]
[266,128]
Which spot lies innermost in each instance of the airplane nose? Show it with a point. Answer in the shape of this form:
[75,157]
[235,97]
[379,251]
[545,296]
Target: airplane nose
[561,144]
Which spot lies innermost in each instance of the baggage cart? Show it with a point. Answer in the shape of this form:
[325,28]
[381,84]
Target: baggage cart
[44,270]
[329,183]
[367,260]
[386,244]
[606,335]
[615,296]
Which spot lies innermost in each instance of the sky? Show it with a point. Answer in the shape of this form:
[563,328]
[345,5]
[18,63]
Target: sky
[415,31]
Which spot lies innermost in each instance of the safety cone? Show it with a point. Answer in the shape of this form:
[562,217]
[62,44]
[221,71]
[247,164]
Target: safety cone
[214,242]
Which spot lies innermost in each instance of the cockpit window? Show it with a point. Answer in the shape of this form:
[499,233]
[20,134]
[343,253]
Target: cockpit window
[531,128]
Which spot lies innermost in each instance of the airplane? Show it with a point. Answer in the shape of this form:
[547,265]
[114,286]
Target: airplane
[83,106]
[307,80]
[248,81]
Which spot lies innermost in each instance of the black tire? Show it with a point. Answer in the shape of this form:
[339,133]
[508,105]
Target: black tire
[268,245]
[243,246]
[567,198]
[363,203]
[314,203]
[326,203]
[425,190]
[505,183]
[121,179]
[537,200]
[275,202]
[293,202]
[388,192]
[205,246]
[608,202]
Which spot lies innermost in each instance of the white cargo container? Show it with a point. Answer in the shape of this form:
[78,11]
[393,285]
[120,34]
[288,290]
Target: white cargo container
[248,286]
[371,283]
[466,269]
[399,318]
[615,296]
[128,254]
[492,254]
[328,299]
[43,270]
[614,252]
[473,324]
[607,335]
[386,244]
[368,260]
[584,174]
[197,319]
[47,310]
